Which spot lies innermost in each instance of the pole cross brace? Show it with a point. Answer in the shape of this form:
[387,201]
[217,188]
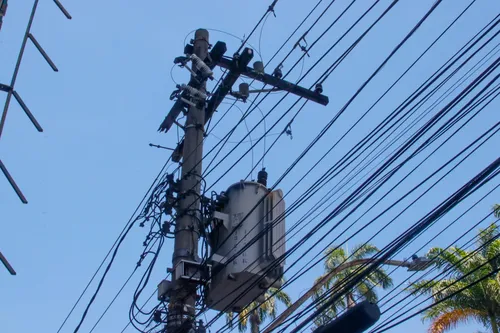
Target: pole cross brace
[238,65]
[279,83]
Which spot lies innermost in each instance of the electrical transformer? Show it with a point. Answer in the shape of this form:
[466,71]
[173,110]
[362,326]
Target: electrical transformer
[248,244]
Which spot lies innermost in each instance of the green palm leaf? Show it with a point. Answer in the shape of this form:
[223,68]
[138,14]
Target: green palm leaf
[336,256]
[461,300]
[267,309]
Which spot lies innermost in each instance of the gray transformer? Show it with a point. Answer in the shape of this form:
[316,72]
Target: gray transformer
[250,261]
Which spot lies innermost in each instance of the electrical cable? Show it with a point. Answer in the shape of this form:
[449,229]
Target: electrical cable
[396,202]
[492,273]
[428,272]
[270,8]
[114,244]
[463,235]
[208,171]
[249,111]
[478,181]
[428,242]
[120,291]
[323,131]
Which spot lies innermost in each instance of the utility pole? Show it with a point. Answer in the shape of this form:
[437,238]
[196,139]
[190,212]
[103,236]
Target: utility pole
[188,270]
[183,297]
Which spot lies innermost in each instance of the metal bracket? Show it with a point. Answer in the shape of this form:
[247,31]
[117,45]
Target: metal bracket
[215,55]
[7,265]
[164,289]
[223,218]
[238,66]
[43,53]
[278,83]
[9,90]
[193,271]
[13,183]
[158,146]
[235,66]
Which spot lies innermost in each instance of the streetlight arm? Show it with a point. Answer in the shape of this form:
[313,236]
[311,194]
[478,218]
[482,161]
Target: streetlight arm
[318,285]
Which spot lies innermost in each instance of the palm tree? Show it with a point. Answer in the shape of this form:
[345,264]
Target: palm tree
[479,302]
[363,291]
[262,311]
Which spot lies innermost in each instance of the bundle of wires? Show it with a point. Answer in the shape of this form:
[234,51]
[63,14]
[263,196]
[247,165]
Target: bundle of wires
[426,121]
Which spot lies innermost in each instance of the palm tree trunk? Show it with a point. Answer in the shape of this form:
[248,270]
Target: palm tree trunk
[494,325]
[350,301]
[255,322]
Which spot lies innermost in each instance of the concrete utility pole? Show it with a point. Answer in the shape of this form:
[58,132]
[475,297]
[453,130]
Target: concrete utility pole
[183,297]
[188,270]
[417,264]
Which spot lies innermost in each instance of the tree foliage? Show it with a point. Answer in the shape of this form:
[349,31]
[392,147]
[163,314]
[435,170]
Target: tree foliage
[363,291]
[479,302]
[265,310]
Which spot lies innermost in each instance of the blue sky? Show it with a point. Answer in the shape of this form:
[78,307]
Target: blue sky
[85,174]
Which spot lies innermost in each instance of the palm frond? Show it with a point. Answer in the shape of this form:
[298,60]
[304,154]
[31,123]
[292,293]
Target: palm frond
[262,311]
[243,317]
[453,259]
[281,296]
[496,211]
[421,287]
[458,299]
[367,292]
[363,250]
[229,319]
[486,235]
[450,320]
[334,257]
[492,253]
[381,278]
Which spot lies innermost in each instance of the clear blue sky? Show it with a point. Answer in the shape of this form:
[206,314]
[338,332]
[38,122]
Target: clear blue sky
[85,174]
